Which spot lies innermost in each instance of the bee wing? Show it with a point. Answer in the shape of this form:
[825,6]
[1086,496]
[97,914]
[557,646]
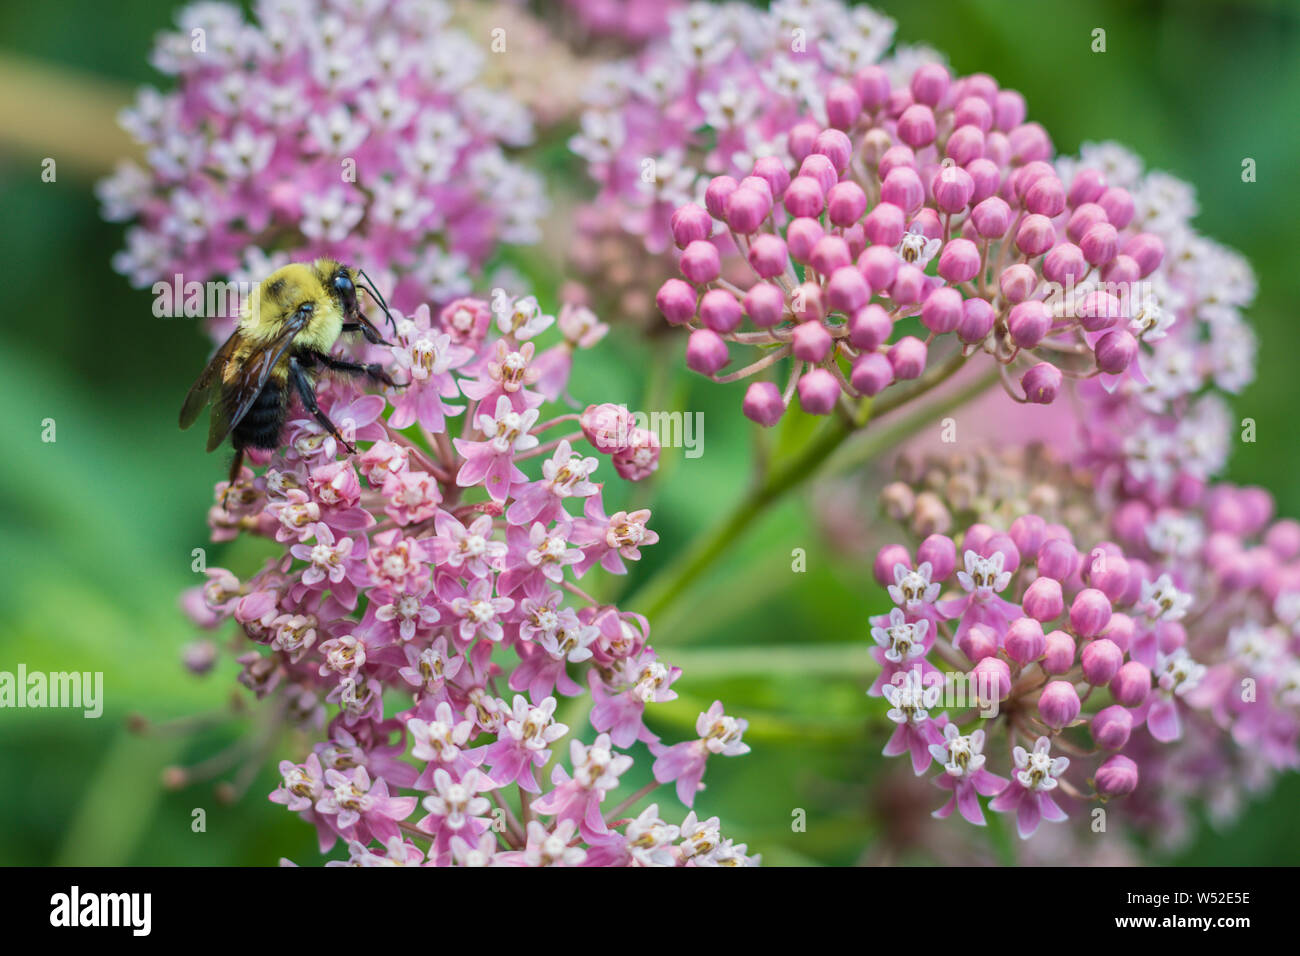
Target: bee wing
[208,386]
[238,396]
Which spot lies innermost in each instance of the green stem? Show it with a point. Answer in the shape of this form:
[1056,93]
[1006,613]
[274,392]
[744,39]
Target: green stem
[662,590]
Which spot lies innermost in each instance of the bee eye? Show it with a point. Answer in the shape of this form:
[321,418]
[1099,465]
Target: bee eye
[343,284]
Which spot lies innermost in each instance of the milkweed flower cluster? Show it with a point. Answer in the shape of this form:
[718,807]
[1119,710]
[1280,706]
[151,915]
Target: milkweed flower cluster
[423,617]
[1107,647]
[323,127]
[631,23]
[918,216]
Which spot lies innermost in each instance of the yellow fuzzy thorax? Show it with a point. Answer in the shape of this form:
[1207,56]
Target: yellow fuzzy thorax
[281,293]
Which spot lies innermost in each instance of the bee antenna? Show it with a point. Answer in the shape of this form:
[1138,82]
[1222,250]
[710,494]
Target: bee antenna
[369,286]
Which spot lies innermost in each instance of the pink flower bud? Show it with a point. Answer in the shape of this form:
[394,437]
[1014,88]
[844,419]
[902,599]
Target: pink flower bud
[872,85]
[706,352]
[843,106]
[1025,640]
[767,255]
[1043,600]
[908,285]
[1059,656]
[1035,235]
[941,310]
[1117,776]
[1100,243]
[1111,727]
[716,195]
[747,208]
[1008,110]
[907,357]
[988,179]
[802,235]
[959,261]
[1042,383]
[884,227]
[847,291]
[676,300]
[1046,197]
[1090,612]
[820,167]
[1108,573]
[973,111]
[700,262]
[764,304]
[801,139]
[1147,251]
[1029,143]
[834,144]
[978,642]
[952,189]
[886,558]
[845,203]
[898,156]
[977,318]
[1065,263]
[941,552]
[811,342]
[1116,351]
[818,391]
[1122,270]
[879,265]
[763,405]
[1098,311]
[830,253]
[1131,685]
[1101,661]
[1118,205]
[976,537]
[916,127]
[1083,219]
[1057,559]
[871,374]
[804,197]
[1028,323]
[929,84]
[903,188]
[720,311]
[689,223]
[1001,543]
[869,327]
[965,145]
[992,677]
[1018,282]
[1059,704]
[1120,631]
[1087,187]
[1027,532]
[773,171]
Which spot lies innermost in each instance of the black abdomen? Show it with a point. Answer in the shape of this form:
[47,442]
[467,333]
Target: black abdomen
[261,426]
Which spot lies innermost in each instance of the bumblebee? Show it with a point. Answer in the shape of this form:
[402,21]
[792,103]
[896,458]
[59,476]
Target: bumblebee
[286,331]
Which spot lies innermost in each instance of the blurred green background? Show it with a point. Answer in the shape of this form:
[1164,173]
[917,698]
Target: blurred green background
[97,528]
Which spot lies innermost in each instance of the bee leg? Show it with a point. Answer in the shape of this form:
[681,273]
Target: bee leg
[373,372]
[235,467]
[302,385]
[367,329]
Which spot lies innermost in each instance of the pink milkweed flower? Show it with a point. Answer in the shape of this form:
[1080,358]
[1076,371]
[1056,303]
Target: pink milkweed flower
[523,318]
[557,639]
[357,419]
[297,515]
[490,461]
[902,646]
[607,540]
[548,848]
[650,840]
[684,762]
[412,497]
[343,751]
[640,458]
[982,579]
[441,741]
[564,475]
[537,558]
[913,590]
[509,377]
[397,562]
[524,742]
[481,853]
[619,707]
[915,249]
[1029,793]
[466,321]
[334,564]
[456,809]
[909,700]
[962,758]
[397,852]
[479,612]
[427,356]
[596,770]
[471,549]
[399,615]
[362,809]
[430,669]
[1177,674]
[301,787]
